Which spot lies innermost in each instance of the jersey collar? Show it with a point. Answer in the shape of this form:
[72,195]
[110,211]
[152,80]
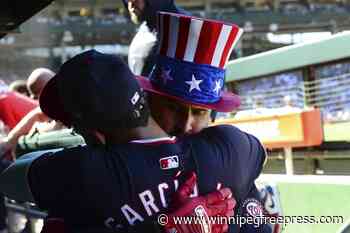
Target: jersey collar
[156,141]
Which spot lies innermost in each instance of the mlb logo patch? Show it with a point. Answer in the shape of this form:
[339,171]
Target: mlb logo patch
[169,162]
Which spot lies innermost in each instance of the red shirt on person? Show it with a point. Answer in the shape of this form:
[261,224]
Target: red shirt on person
[14,106]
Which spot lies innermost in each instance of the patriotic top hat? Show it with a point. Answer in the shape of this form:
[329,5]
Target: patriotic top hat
[191,59]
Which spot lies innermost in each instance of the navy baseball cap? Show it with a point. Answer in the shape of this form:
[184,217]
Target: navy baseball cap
[95,91]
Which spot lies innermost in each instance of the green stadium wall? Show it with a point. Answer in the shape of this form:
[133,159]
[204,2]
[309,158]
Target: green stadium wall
[315,199]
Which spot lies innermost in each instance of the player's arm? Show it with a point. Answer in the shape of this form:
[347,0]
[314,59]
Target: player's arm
[14,180]
[23,127]
[257,158]
[241,151]
[251,157]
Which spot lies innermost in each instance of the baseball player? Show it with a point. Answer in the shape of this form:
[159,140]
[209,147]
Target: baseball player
[186,84]
[129,179]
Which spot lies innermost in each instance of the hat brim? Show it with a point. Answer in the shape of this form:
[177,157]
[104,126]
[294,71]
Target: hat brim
[50,102]
[227,103]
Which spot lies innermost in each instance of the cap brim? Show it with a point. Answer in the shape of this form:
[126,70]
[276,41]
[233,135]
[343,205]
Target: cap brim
[227,103]
[51,104]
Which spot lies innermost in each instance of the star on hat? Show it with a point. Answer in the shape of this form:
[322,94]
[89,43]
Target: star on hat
[217,86]
[166,76]
[194,84]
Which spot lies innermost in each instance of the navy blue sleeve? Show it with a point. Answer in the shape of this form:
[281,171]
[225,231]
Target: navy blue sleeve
[245,147]
[238,157]
[54,181]
[224,154]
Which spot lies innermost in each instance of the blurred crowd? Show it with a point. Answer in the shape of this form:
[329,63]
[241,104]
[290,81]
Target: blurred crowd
[106,20]
[332,92]
[329,92]
[271,91]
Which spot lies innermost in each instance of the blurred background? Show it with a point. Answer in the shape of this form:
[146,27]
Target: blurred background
[65,28]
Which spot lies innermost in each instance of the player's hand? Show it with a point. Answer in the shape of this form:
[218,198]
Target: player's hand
[218,203]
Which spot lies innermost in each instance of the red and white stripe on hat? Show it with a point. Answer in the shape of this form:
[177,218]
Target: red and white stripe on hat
[197,40]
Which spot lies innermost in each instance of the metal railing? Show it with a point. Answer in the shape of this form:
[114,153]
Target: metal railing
[331,94]
[25,208]
[23,217]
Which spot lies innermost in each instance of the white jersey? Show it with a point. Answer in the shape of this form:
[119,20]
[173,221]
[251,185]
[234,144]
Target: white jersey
[140,48]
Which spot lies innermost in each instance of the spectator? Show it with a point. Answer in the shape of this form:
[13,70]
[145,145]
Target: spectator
[288,106]
[259,110]
[13,106]
[142,51]
[35,120]
[37,80]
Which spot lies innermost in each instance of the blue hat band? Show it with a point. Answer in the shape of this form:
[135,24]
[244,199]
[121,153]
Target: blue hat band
[198,83]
